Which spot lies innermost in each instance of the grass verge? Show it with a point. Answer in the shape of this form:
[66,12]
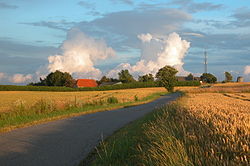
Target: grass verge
[170,136]
[44,111]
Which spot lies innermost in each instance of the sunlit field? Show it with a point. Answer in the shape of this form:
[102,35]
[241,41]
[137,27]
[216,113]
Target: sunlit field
[218,88]
[233,84]
[10,99]
[22,108]
[228,116]
[231,111]
[205,128]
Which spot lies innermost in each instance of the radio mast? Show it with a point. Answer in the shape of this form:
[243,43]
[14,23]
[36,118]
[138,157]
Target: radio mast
[205,61]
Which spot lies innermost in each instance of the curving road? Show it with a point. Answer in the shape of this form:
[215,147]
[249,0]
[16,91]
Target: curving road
[65,142]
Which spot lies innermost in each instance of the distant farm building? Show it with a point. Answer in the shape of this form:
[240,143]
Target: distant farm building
[110,83]
[240,79]
[86,83]
[182,78]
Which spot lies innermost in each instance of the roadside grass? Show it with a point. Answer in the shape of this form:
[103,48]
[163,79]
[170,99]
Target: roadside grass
[171,136]
[151,140]
[43,110]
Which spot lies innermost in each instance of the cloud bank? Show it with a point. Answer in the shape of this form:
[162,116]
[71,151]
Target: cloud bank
[120,29]
[16,78]
[247,70]
[79,55]
[7,6]
[156,53]
[2,76]
[20,78]
[194,7]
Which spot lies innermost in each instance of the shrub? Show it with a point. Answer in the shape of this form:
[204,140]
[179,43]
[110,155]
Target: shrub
[208,78]
[188,83]
[112,100]
[136,98]
[228,77]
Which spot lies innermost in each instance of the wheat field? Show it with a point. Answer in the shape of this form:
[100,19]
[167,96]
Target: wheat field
[205,128]
[230,111]
[228,116]
[8,99]
[218,88]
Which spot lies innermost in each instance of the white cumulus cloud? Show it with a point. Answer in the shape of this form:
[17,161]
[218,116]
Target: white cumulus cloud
[2,75]
[80,53]
[247,70]
[16,78]
[145,37]
[157,53]
[20,78]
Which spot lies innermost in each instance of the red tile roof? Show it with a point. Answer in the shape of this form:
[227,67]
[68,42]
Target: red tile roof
[86,83]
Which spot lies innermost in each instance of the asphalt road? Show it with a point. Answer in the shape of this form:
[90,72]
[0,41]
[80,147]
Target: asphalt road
[66,142]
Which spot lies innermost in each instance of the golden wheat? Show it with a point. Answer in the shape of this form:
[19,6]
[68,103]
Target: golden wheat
[231,113]
[234,84]
[221,88]
[229,116]
[10,98]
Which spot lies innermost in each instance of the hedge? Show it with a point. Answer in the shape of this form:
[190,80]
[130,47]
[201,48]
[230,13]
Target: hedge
[188,83]
[100,88]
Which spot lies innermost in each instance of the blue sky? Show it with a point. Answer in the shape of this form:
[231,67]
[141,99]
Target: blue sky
[31,31]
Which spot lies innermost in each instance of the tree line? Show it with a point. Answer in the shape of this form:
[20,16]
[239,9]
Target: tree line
[166,76]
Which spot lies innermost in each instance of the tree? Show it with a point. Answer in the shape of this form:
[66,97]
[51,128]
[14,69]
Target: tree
[166,76]
[208,78]
[190,77]
[70,83]
[125,76]
[114,80]
[58,78]
[104,79]
[228,77]
[146,78]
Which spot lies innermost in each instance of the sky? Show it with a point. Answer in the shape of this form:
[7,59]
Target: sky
[93,38]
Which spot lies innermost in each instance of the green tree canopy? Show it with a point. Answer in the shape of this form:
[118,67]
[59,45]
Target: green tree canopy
[104,79]
[208,78]
[190,77]
[146,78]
[57,78]
[166,76]
[125,76]
[228,77]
